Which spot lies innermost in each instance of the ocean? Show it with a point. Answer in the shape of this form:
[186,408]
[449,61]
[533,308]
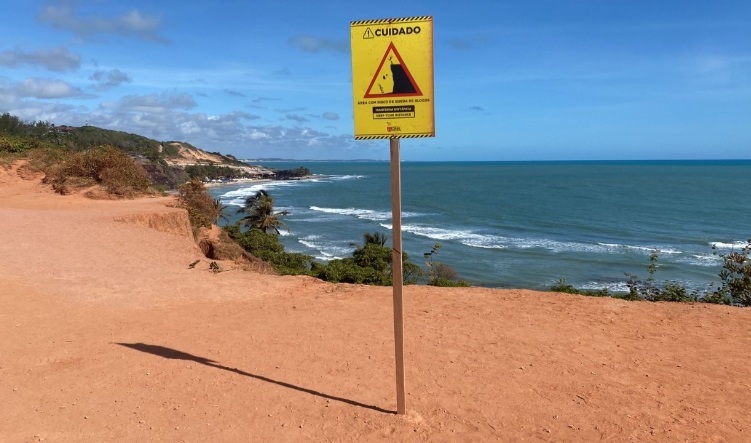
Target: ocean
[526,224]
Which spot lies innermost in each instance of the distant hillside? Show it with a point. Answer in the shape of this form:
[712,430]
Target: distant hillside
[173,152]
[167,163]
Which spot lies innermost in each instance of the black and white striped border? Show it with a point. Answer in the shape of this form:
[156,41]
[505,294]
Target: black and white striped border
[386,21]
[376,137]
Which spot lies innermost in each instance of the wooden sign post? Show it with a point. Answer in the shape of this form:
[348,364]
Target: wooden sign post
[397,272]
[392,88]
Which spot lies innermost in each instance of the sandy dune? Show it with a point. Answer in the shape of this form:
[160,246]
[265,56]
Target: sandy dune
[106,334]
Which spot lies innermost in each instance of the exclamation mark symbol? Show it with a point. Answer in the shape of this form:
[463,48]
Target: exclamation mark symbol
[368,34]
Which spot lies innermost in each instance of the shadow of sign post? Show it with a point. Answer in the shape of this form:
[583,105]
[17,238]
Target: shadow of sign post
[170,353]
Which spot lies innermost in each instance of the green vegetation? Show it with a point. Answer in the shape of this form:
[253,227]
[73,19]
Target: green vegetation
[203,210]
[12,125]
[46,145]
[370,264]
[441,274]
[107,166]
[213,172]
[257,233]
[562,286]
[15,144]
[260,214]
[18,138]
[88,137]
[66,168]
[288,174]
[736,276]
[268,248]
[163,175]
[734,289]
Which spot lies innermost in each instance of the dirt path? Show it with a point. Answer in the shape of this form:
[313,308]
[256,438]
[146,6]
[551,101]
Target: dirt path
[106,334]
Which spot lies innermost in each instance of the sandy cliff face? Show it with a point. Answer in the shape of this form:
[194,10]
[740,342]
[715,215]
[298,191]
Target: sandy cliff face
[173,222]
[192,156]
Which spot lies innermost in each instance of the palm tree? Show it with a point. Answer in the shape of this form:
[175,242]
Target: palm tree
[218,211]
[375,238]
[260,213]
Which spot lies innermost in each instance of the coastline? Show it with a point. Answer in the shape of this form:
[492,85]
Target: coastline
[238,181]
[112,336]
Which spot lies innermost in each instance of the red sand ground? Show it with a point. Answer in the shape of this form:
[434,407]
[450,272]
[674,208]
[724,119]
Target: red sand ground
[106,334]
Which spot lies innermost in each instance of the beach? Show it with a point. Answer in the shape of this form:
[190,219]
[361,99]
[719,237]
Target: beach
[108,334]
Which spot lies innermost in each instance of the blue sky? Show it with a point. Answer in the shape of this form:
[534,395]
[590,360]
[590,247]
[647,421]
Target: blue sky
[514,80]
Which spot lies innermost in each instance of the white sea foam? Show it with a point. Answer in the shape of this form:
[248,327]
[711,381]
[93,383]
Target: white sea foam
[707,260]
[612,287]
[238,196]
[309,244]
[325,251]
[728,245]
[330,178]
[345,177]
[557,246]
[650,249]
[491,241]
[620,287]
[366,214]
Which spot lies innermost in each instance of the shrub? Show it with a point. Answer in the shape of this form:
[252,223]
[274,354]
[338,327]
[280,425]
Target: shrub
[346,270]
[736,276]
[648,290]
[47,160]
[441,274]
[203,209]
[268,248]
[107,166]
[562,286]
[370,264]
[163,174]
[13,144]
[672,291]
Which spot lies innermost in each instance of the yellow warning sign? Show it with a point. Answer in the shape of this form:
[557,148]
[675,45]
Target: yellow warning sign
[392,77]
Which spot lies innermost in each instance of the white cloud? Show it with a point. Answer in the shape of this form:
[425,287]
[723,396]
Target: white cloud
[155,103]
[131,24]
[60,114]
[55,59]
[109,79]
[45,89]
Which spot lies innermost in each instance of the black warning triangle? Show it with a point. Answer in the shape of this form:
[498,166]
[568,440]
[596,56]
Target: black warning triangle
[393,79]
